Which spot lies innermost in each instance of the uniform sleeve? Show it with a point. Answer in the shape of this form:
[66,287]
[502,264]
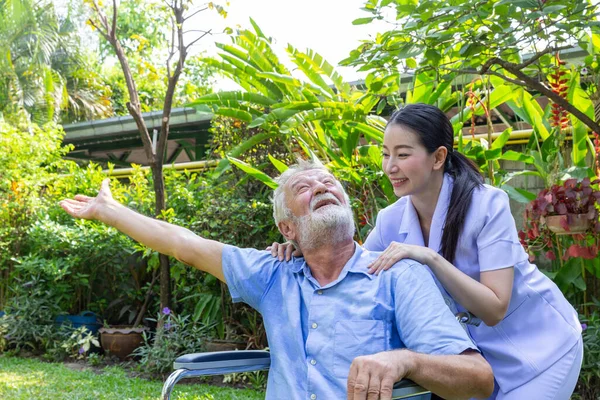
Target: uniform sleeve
[425,323]
[248,273]
[498,243]
[374,241]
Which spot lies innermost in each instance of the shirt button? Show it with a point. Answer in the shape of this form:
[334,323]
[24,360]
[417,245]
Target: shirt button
[319,292]
[313,362]
[314,325]
[313,396]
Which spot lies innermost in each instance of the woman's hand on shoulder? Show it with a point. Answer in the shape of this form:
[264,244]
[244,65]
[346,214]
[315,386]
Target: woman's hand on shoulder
[396,252]
[284,251]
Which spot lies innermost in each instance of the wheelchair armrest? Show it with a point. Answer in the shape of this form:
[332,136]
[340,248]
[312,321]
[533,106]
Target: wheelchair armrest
[407,389]
[228,361]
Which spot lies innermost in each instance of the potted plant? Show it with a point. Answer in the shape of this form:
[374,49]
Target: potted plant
[567,209]
[122,340]
[562,226]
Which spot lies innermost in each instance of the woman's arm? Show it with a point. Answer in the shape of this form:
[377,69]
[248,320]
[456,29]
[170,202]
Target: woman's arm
[487,299]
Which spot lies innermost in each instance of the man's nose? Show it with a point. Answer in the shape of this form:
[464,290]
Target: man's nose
[320,188]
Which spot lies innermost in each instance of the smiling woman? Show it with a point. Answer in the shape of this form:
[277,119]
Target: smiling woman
[447,219]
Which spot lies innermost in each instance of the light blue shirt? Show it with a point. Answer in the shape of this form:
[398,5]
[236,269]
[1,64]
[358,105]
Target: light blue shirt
[315,331]
[540,326]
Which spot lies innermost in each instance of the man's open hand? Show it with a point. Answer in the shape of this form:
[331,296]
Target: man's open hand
[88,207]
[372,377]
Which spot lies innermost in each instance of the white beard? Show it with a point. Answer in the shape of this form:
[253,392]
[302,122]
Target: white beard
[328,225]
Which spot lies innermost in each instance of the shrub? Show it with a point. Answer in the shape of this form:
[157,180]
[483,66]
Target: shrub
[588,387]
[175,337]
[29,319]
[30,156]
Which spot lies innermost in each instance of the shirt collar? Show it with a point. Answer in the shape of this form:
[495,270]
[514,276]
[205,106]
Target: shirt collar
[353,265]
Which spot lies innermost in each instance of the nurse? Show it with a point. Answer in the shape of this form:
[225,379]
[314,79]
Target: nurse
[447,219]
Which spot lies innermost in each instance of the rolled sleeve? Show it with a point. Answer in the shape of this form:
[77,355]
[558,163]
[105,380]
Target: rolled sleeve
[425,323]
[248,274]
[498,243]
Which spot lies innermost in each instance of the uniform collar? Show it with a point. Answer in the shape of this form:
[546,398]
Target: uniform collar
[410,228]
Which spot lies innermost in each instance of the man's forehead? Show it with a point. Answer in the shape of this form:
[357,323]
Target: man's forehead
[309,175]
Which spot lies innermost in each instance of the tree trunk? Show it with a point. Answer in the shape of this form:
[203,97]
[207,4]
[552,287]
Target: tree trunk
[160,205]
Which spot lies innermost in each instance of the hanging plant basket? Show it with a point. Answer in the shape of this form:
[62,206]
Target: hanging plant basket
[568,224]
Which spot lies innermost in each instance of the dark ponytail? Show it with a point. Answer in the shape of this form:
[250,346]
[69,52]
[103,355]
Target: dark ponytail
[433,128]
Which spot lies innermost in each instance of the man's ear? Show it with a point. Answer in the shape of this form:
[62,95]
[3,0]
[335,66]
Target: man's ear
[287,229]
[440,157]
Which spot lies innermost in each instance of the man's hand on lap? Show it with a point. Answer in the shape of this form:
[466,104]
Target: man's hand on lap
[372,377]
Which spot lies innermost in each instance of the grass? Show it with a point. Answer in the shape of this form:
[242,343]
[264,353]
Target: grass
[26,379]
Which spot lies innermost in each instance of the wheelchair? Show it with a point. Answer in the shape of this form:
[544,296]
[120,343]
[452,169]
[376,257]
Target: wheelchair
[228,362]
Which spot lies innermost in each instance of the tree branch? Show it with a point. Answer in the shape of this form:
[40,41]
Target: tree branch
[172,81]
[195,30]
[506,78]
[540,54]
[149,293]
[194,13]
[194,41]
[538,86]
[133,106]
[113,30]
[104,35]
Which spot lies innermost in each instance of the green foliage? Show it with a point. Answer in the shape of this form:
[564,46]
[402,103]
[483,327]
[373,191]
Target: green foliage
[176,336]
[29,319]
[70,343]
[512,43]
[461,36]
[145,41]
[589,378]
[257,379]
[151,81]
[139,29]
[80,342]
[3,332]
[94,359]
[89,265]
[30,156]
[44,68]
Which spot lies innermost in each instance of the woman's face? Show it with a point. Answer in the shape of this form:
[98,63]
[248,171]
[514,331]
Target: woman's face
[406,161]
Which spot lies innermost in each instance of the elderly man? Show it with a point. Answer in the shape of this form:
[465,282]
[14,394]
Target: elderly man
[332,327]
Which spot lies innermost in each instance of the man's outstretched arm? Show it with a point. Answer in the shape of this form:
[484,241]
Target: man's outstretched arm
[161,236]
[461,376]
